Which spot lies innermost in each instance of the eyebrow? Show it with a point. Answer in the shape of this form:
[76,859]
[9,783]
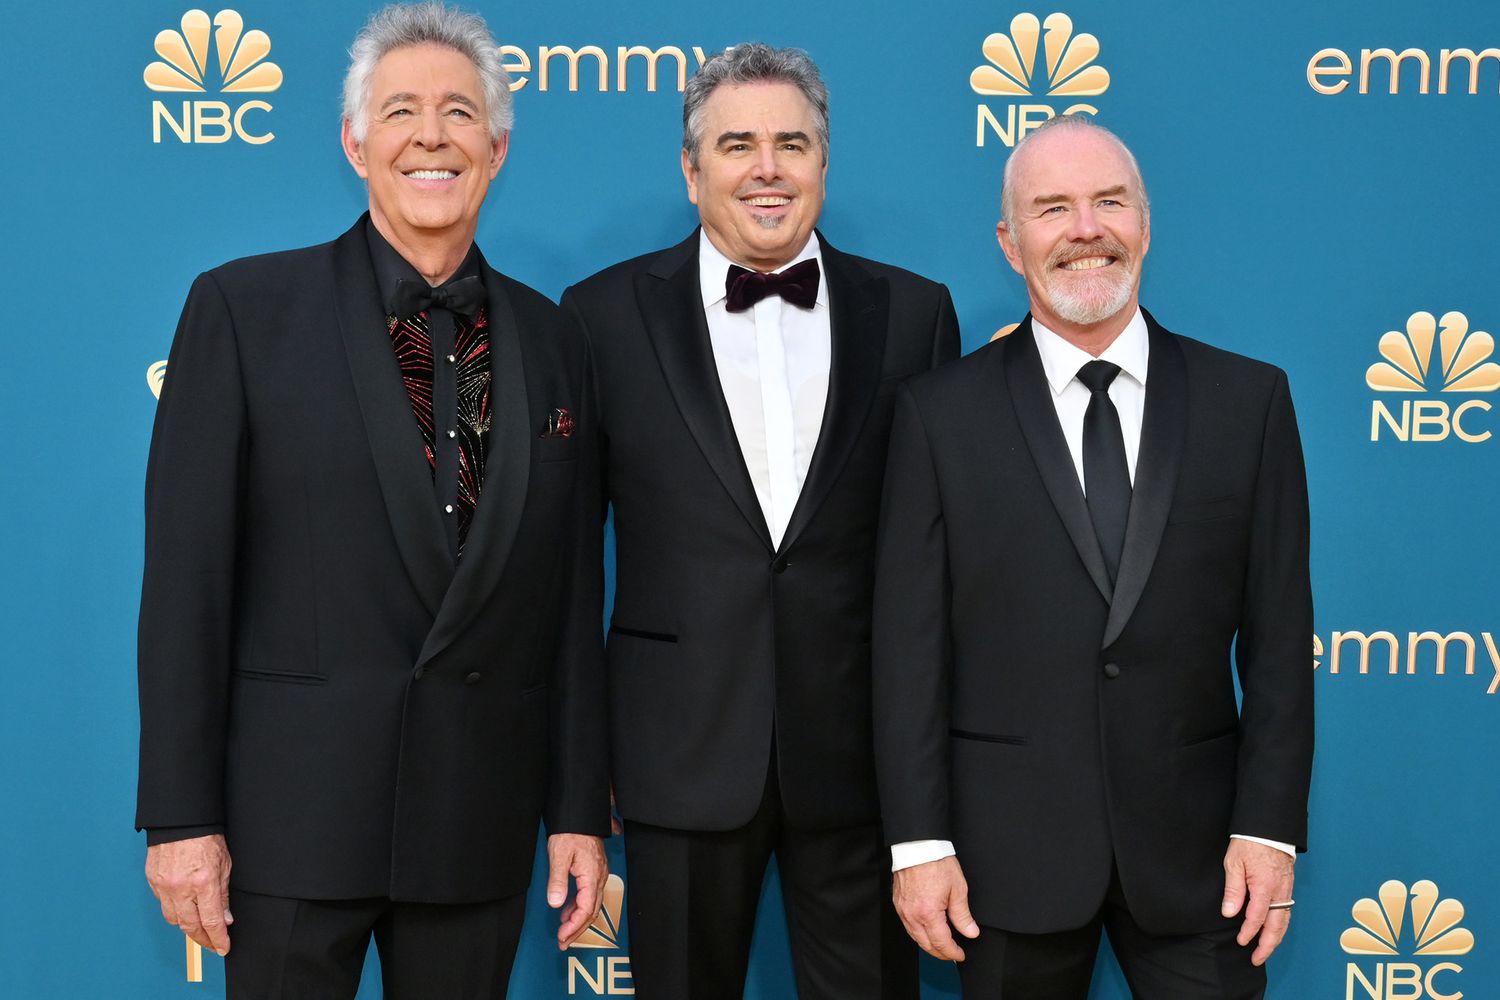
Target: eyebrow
[727,137]
[1056,199]
[453,97]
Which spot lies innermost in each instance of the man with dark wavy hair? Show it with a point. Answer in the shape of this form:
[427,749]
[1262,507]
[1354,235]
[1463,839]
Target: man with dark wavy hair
[369,656]
[745,380]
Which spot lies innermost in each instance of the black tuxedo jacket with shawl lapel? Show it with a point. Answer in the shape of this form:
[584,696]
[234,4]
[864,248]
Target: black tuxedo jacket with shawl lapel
[718,639]
[365,719]
[1050,724]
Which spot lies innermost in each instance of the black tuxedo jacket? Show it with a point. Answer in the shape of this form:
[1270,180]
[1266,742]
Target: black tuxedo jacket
[1051,724]
[364,718]
[718,640]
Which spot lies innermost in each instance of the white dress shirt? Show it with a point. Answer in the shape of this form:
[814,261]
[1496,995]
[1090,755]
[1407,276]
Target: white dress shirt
[1060,363]
[1061,360]
[773,367]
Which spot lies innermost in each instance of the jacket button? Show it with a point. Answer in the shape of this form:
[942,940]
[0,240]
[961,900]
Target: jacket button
[779,564]
[416,674]
[1111,670]
[472,679]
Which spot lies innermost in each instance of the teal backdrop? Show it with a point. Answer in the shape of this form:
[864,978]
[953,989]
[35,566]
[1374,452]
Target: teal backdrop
[1300,214]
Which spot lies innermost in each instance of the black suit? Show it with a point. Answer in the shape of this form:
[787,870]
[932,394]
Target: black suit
[363,718]
[1058,728]
[722,645]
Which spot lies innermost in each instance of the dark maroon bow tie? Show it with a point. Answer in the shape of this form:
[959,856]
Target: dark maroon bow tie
[798,285]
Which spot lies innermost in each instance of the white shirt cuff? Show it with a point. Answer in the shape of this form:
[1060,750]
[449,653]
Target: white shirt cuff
[919,852]
[1284,848]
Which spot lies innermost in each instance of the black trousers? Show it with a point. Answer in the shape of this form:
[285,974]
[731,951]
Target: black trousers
[693,896]
[1003,965]
[309,949]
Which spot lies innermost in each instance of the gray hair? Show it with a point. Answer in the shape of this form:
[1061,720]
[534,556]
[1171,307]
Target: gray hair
[401,25]
[753,63]
[1073,122]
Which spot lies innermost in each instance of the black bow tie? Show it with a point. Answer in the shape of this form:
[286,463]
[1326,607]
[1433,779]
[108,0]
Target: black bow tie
[463,296]
[798,285]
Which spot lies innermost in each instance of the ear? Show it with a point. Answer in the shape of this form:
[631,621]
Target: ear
[498,149]
[1010,245]
[352,150]
[1146,235]
[690,174]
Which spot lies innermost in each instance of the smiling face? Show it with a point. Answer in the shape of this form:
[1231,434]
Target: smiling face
[759,181]
[1080,232]
[427,156]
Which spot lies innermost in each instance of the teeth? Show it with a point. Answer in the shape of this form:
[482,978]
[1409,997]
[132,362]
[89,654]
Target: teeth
[768,202]
[1085,263]
[431,175]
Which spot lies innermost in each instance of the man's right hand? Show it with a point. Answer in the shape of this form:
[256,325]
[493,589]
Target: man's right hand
[928,898]
[191,881]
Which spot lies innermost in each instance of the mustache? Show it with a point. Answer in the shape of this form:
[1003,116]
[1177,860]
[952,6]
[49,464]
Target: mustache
[1104,246]
[777,185]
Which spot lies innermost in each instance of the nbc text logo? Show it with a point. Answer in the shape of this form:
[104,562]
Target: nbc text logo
[1434,932]
[184,68]
[610,975]
[1013,70]
[1433,356]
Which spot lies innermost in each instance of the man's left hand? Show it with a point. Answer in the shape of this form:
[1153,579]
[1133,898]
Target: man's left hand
[583,858]
[1265,873]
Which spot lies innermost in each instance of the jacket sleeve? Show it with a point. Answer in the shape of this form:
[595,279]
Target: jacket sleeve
[910,639]
[194,485]
[578,767]
[1271,651]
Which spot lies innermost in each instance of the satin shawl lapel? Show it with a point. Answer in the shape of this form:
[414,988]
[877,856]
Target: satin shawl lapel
[860,315]
[1163,428]
[671,304]
[395,441]
[1037,415]
[507,471]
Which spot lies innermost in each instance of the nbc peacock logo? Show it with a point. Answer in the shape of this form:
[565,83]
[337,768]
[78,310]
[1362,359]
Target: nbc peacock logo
[239,66]
[156,377]
[1382,930]
[604,931]
[610,974]
[1436,356]
[1038,59]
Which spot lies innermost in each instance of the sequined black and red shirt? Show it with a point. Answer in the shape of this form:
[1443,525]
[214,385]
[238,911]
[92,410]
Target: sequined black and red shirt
[445,365]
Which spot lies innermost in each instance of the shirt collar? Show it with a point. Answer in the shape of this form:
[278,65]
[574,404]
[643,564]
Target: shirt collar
[1061,359]
[713,268]
[391,267]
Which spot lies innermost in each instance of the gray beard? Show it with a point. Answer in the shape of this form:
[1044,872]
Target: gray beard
[1088,309]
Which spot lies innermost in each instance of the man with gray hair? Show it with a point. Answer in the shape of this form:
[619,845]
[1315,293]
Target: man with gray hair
[369,636]
[745,382]
[1079,522]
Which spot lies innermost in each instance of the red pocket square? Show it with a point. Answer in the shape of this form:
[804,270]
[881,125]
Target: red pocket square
[559,423]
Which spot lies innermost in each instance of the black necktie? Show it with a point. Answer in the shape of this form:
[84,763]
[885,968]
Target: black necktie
[798,285]
[461,296]
[1106,476]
